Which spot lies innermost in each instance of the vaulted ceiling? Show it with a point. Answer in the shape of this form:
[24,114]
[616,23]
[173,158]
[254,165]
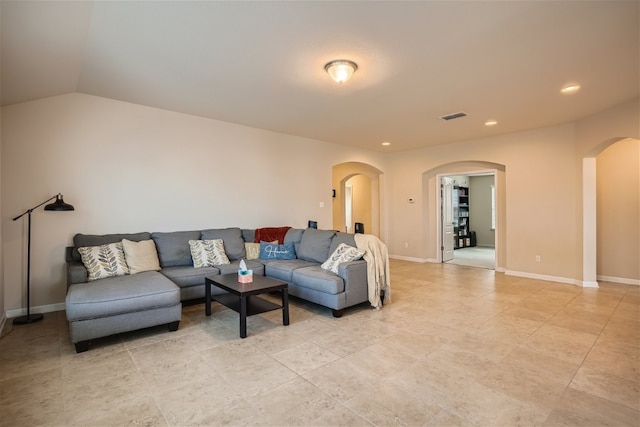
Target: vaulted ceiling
[261,64]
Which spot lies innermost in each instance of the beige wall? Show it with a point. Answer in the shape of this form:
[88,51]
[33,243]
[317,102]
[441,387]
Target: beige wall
[361,195]
[480,209]
[540,175]
[618,211]
[129,168]
[540,192]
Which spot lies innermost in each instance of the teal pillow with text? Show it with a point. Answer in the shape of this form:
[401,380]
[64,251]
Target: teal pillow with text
[275,251]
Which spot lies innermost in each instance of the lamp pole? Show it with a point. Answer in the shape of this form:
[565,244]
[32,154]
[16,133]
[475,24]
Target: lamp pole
[58,205]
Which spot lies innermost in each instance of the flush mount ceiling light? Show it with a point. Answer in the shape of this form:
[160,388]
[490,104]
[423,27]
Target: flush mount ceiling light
[491,123]
[386,143]
[341,70]
[570,88]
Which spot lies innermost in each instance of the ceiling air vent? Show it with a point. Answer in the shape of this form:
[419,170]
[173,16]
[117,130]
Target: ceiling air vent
[453,116]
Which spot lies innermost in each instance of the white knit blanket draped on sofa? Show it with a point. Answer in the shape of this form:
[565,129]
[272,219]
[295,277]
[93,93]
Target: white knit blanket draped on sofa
[377,257]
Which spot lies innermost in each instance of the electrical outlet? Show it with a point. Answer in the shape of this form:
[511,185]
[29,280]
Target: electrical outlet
[538,259]
[406,244]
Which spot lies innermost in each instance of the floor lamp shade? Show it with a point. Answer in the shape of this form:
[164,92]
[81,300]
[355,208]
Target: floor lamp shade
[58,205]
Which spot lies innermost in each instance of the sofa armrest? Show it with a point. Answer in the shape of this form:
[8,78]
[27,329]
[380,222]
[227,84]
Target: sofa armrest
[76,273]
[354,274]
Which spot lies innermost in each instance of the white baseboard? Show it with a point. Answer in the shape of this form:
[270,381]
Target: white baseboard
[407,258]
[622,280]
[540,277]
[40,309]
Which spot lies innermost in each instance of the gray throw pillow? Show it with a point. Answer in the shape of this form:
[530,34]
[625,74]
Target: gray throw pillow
[315,245]
[173,247]
[231,238]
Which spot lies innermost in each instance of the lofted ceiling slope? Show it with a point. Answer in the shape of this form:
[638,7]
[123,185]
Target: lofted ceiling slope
[261,63]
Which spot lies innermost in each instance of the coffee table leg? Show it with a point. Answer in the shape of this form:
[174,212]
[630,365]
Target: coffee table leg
[207,299]
[243,317]
[285,307]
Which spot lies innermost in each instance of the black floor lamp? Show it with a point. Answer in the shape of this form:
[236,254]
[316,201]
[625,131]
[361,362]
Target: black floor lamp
[58,205]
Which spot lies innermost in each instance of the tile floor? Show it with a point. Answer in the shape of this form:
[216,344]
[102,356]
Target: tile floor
[457,346]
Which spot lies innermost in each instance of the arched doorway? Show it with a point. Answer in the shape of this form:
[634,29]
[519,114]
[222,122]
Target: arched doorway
[431,180]
[357,188]
[602,257]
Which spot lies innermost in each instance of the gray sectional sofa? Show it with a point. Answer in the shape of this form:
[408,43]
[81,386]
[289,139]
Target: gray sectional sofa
[129,302]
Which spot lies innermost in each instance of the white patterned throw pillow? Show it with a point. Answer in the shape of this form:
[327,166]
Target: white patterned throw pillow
[208,253]
[343,253]
[104,261]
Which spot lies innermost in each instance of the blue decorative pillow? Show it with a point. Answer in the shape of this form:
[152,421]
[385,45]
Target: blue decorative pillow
[275,251]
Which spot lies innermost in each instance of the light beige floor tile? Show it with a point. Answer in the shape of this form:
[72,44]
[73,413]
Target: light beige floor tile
[490,407]
[601,384]
[304,357]
[341,379]
[340,416]
[432,383]
[381,359]
[577,408]
[388,404]
[456,346]
[132,411]
[21,397]
[562,343]
[296,402]
[615,357]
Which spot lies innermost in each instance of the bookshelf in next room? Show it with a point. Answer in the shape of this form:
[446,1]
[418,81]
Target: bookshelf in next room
[462,235]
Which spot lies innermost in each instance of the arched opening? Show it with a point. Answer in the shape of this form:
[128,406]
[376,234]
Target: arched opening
[611,189]
[431,181]
[357,193]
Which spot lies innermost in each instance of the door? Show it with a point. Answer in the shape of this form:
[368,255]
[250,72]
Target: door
[446,188]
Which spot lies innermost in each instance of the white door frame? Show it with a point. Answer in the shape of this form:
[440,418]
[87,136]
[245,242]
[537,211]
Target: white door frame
[496,182]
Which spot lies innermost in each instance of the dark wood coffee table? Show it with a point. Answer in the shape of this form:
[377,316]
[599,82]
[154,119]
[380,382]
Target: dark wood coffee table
[243,297]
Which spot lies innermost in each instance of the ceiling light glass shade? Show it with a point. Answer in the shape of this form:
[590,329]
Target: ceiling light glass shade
[341,70]
[570,88]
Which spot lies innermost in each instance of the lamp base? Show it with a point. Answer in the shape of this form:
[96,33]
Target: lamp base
[25,320]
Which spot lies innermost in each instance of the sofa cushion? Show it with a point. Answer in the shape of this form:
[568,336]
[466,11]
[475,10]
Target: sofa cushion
[207,253]
[141,256]
[84,240]
[187,275]
[343,253]
[318,279]
[119,295]
[283,269]
[294,235]
[275,251]
[340,237]
[315,244]
[104,261]
[232,238]
[173,247]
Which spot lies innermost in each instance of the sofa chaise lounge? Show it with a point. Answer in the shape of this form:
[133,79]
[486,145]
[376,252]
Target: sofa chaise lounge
[126,302]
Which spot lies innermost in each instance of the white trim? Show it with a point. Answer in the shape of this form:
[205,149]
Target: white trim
[585,284]
[589,224]
[622,280]
[40,309]
[408,258]
[540,277]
